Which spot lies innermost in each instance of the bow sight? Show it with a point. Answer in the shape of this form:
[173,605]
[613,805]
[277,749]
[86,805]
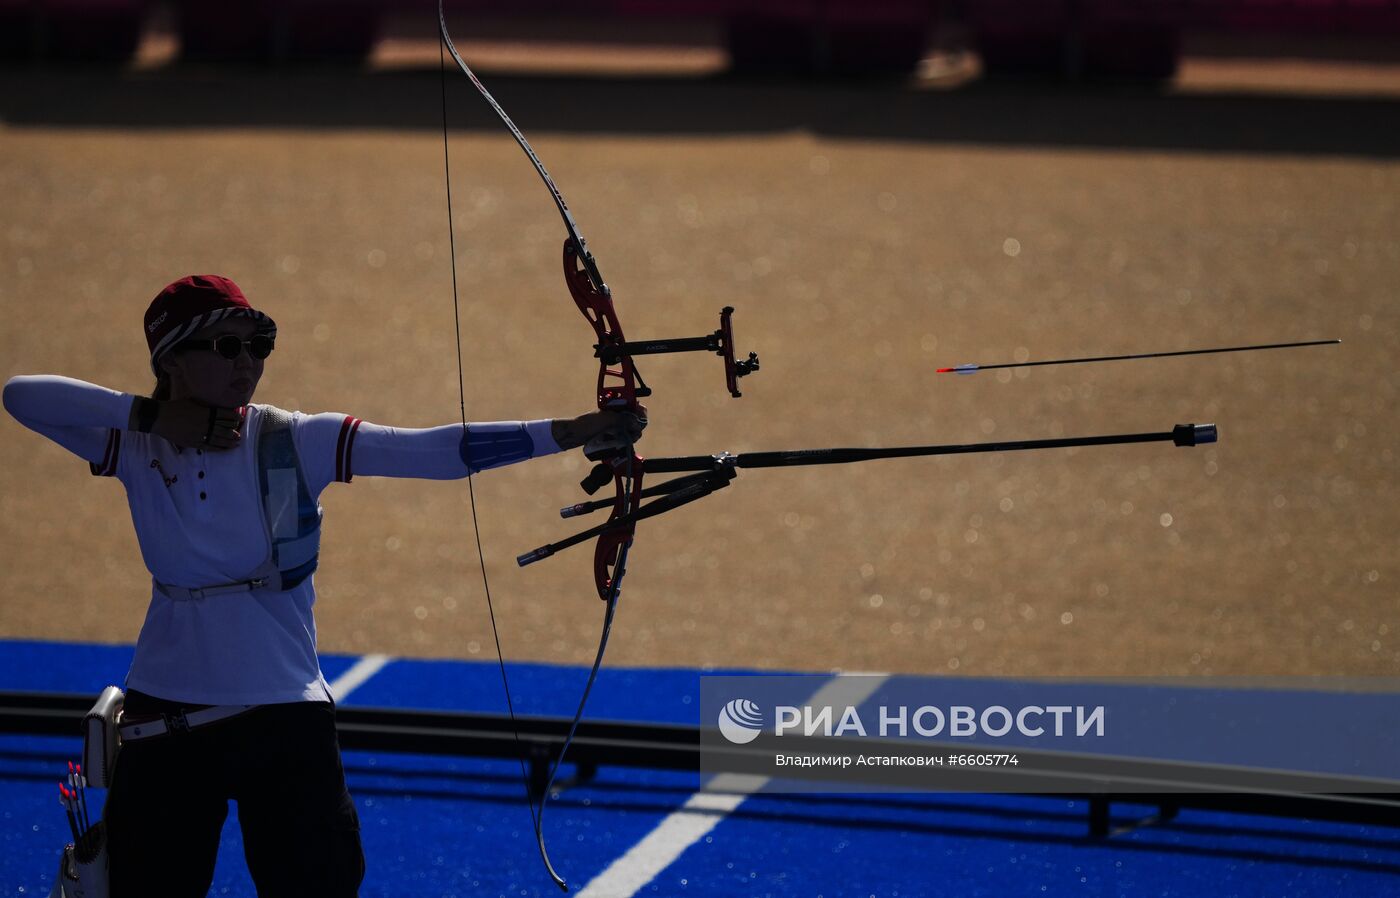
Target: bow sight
[721,343]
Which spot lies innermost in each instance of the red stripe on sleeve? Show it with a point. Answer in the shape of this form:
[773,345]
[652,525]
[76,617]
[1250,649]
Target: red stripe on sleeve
[343,447]
[108,467]
[350,450]
[340,449]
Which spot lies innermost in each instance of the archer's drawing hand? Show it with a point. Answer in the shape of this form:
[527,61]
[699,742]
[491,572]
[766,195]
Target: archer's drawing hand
[188,423]
[598,431]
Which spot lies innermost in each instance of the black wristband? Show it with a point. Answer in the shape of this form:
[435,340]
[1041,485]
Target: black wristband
[144,413]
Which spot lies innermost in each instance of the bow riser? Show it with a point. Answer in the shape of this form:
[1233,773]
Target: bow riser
[617,391]
[618,386]
[608,550]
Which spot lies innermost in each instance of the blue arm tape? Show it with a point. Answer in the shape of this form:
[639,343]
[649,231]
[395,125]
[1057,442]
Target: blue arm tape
[493,445]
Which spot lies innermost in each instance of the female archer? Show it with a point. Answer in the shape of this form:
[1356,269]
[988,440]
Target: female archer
[225,699]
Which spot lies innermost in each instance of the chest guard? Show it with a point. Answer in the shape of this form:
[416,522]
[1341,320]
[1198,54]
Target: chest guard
[292,517]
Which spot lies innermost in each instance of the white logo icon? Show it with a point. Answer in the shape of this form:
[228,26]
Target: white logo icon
[741,721]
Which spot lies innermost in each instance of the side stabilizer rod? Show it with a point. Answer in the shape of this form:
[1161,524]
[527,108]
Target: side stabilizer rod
[678,492]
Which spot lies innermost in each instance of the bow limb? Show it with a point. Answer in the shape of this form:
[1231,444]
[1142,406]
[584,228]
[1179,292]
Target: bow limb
[569,224]
[610,552]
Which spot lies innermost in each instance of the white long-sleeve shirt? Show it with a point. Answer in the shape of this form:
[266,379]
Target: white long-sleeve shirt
[198,520]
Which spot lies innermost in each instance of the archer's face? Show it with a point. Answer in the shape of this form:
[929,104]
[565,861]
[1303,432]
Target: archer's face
[205,375]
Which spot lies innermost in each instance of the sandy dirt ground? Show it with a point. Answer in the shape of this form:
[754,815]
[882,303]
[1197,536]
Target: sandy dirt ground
[867,234]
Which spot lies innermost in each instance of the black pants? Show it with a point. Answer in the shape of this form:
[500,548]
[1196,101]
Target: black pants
[281,763]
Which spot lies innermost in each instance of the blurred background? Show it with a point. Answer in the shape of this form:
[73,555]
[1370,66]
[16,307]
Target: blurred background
[880,188]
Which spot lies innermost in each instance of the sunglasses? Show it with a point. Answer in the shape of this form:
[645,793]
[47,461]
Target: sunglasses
[230,347]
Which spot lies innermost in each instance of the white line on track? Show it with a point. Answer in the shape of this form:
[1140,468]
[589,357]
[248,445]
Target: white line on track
[682,828]
[358,673]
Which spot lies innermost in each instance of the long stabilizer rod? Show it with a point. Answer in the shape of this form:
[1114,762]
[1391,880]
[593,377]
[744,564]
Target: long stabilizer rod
[1181,435]
[718,470]
[973,369]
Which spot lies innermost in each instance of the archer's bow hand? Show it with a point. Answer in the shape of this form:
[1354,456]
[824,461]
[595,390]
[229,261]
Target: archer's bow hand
[598,432]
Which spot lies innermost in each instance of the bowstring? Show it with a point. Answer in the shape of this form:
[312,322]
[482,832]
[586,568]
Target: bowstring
[471,490]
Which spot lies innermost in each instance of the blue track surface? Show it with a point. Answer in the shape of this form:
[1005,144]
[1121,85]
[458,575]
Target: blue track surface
[439,827]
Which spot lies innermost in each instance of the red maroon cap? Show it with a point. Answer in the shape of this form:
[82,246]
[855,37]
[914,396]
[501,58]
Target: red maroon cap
[193,303]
